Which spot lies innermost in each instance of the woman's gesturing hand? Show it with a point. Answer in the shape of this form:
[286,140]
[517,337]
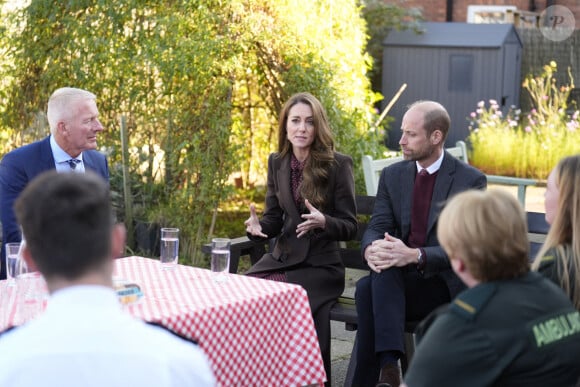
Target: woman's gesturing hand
[315,219]
[253,226]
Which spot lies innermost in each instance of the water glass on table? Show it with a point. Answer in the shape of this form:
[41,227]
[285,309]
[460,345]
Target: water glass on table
[169,247]
[220,257]
[12,257]
[31,295]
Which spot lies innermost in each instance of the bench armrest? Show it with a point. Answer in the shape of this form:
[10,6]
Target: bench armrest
[241,246]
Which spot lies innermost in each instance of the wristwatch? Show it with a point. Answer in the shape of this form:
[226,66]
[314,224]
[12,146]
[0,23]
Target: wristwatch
[420,260]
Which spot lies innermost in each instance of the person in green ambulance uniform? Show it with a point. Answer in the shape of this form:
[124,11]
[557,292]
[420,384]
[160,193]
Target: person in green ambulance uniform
[511,327]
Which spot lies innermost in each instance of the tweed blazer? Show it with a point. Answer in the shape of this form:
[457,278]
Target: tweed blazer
[281,217]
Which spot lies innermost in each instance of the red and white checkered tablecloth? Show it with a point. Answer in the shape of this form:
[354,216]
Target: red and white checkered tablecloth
[255,332]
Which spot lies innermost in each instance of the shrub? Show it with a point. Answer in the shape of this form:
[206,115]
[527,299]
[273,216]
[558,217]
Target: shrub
[527,145]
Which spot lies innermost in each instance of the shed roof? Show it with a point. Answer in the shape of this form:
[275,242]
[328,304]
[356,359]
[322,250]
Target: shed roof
[455,35]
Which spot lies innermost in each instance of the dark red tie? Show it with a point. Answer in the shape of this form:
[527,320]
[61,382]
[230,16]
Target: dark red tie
[420,210]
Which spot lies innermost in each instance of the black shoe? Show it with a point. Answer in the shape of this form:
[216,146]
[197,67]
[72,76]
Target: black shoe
[390,375]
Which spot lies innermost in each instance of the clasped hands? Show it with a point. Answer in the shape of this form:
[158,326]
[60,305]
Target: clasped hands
[390,251]
[314,219]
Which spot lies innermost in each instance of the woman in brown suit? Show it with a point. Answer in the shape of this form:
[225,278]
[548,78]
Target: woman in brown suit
[310,206]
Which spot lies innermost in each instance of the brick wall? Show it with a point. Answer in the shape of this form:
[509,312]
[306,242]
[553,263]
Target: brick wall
[436,10]
[538,51]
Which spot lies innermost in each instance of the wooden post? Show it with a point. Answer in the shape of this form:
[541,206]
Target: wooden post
[127,194]
[390,105]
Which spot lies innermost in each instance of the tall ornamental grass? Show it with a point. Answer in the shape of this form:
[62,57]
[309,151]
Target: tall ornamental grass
[526,145]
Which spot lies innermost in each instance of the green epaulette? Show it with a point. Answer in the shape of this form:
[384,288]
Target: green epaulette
[470,302]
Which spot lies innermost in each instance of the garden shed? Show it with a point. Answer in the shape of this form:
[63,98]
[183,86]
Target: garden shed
[456,64]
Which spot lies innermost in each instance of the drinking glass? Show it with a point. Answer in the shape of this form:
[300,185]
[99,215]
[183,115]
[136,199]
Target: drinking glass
[220,257]
[31,294]
[12,257]
[21,269]
[169,247]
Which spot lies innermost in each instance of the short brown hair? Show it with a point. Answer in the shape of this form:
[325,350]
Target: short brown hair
[66,220]
[488,231]
[435,117]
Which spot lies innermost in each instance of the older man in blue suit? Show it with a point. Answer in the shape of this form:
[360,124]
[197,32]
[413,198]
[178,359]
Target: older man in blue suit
[411,274]
[73,118]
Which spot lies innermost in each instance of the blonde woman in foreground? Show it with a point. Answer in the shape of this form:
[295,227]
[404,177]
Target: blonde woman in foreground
[559,257]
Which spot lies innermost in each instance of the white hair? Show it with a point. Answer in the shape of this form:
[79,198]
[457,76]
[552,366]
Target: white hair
[59,104]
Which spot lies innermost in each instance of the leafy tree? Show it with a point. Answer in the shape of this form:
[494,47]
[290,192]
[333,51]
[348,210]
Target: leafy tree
[320,51]
[200,83]
[166,67]
[381,17]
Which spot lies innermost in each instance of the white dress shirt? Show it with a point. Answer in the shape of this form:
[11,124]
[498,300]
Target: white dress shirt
[431,169]
[85,339]
[61,159]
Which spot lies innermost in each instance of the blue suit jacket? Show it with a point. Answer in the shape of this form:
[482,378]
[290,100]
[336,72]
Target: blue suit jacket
[392,212]
[18,168]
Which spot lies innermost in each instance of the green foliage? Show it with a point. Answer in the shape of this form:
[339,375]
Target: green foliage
[166,67]
[382,17]
[527,146]
[286,51]
[200,83]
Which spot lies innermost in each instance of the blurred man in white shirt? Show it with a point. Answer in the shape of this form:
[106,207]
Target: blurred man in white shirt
[84,338]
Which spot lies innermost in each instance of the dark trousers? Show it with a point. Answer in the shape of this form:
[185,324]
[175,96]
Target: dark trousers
[384,301]
[322,324]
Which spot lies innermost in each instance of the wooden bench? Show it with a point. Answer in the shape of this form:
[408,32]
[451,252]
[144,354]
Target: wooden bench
[372,170]
[521,183]
[537,230]
[350,252]
[344,310]
[241,246]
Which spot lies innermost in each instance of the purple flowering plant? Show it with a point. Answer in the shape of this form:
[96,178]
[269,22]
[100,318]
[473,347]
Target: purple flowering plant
[526,145]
